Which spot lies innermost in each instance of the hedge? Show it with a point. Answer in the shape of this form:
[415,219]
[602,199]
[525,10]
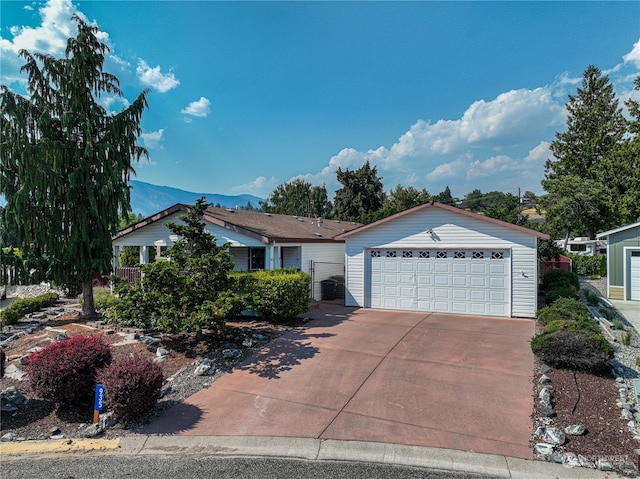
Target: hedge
[22,306]
[276,294]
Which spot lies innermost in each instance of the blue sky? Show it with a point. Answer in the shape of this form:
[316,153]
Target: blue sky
[249,95]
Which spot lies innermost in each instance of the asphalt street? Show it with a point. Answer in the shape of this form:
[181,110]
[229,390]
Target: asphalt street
[209,467]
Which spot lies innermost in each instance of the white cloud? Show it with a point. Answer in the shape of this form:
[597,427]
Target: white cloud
[153,77]
[49,37]
[261,186]
[152,139]
[634,55]
[200,108]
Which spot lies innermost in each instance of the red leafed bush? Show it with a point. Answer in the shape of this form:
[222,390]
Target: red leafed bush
[65,371]
[132,386]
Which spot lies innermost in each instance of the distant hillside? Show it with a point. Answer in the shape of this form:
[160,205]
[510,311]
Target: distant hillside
[147,199]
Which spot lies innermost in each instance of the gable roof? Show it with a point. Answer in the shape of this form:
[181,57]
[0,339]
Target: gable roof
[452,209]
[618,230]
[265,227]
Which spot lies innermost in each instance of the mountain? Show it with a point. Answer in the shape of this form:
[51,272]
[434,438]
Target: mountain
[147,199]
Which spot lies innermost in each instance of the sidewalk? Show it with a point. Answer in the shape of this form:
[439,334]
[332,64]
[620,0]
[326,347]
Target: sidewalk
[305,449]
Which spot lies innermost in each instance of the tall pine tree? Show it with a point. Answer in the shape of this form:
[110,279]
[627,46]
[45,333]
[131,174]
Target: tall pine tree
[66,162]
[586,159]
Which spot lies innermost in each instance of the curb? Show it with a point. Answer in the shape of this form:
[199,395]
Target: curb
[304,449]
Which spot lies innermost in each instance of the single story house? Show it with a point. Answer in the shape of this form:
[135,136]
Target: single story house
[439,258]
[623,262]
[256,240]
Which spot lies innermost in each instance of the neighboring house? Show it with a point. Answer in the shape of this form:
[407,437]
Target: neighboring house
[584,246]
[439,258]
[623,262]
[256,240]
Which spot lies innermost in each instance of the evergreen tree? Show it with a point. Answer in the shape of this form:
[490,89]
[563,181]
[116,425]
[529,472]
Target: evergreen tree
[361,194]
[590,150]
[66,162]
[595,126]
[445,197]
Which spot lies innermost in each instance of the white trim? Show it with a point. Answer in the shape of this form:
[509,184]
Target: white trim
[618,230]
[626,272]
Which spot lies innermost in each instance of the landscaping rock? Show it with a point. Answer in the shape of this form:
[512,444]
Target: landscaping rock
[231,353]
[8,437]
[553,435]
[11,399]
[544,379]
[93,430]
[604,465]
[543,450]
[546,408]
[575,430]
[14,372]
[205,368]
[584,462]
[545,395]
[161,352]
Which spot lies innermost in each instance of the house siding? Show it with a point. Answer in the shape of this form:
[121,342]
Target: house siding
[322,261]
[617,243]
[467,233]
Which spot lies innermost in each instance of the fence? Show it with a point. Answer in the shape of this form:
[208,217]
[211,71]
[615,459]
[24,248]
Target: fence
[130,273]
[562,263]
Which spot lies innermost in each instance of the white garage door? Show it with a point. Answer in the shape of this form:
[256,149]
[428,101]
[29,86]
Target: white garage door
[635,275]
[451,281]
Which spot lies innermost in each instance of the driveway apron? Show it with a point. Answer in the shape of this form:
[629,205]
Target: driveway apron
[425,379]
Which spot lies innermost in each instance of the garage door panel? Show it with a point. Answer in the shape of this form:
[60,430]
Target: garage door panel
[424,267]
[478,268]
[460,281]
[460,268]
[441,280]
[497,268]
[459,294]
[441,267]
[477,295]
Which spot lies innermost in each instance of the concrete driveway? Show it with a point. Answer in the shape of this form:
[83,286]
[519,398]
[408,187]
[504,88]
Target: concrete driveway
[426,379]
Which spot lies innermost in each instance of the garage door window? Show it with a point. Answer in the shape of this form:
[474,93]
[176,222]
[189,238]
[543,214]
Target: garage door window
[424,254]
[391,254]
[407,254]
[497,255]
[441,254]
[375,254]
[458,255]
[478,255]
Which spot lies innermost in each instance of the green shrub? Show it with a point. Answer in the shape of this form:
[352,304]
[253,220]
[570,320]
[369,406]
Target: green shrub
[563,308]
[560,277]
[552,295]
[277,294]
[592,299]
[607,314]
[581,324]
[132,386]
[103,299]
[573,350]
[618,324]
[65,371]
[21,306]
[626,339]
[586,265]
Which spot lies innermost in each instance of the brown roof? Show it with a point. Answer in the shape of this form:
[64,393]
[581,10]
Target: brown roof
[448,208]
[267,227]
